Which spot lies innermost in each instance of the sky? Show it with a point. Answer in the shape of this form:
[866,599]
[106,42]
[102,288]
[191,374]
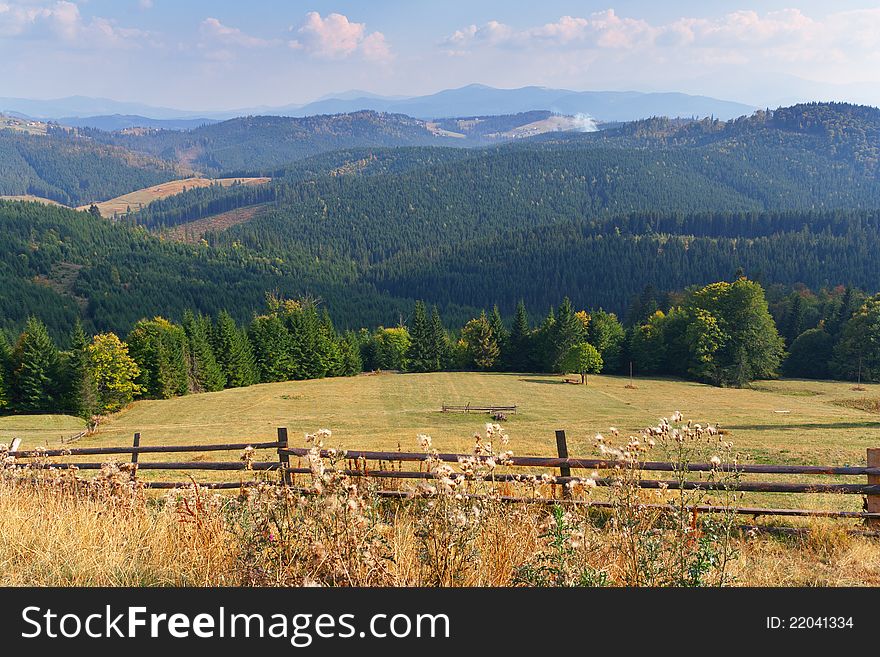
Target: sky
[226,54]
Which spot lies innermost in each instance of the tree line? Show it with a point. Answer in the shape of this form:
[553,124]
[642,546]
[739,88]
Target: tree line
[723,333]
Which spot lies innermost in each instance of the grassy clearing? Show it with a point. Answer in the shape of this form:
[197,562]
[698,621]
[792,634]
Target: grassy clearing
[22,125]
[786,421]
[193,231]
[789,421]
[39,430]
[143,197]
[30,198]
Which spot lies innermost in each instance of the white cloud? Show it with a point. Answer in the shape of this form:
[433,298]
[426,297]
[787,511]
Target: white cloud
[336,37]
[61,21]
[741,35]
[145,4]
[213,30]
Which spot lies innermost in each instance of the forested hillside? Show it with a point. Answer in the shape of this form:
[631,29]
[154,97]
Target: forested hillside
[788,197]
[264,143]
[73,170]
[58,264]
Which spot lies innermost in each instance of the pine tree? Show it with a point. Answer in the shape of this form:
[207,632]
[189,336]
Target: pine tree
[421,354]
[234,353]
[36,366]
[204,371]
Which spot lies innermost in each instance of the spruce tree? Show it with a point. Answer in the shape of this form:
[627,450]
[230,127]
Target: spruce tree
[481,343]
[306,342]
[271,343]
[234,353]
[81,392]
[607,335]
[36,370]
[160,350]
[329,353]
[519,358]
[544,339]
[568,330]
[350,349]
[5,358]
[794,322]
[440,355]
[421,354]
[205,372]
[501,337]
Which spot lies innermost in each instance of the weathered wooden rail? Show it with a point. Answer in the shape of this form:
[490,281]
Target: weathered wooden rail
[358,462]
[484,408]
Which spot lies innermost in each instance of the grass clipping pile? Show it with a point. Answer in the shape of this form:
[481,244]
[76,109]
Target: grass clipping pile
[452,529]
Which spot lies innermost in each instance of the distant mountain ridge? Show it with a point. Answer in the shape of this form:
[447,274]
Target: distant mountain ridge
[470,100]
[114,122]
[483,100]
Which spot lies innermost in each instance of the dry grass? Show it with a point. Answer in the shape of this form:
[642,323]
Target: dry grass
[143,197]
[52,539]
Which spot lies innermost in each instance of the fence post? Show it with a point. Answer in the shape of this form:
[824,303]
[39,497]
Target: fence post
[283,457]
[562,451]
[134,456]
[873,501]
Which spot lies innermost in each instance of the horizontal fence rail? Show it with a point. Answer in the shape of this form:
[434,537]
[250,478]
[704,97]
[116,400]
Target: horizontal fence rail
[484,408]
[601,464]
[143,449]
[358,461]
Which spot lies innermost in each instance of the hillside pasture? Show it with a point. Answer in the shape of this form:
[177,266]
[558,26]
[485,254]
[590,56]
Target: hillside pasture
[29,198]
[796,422]
[143,197]
[785,421]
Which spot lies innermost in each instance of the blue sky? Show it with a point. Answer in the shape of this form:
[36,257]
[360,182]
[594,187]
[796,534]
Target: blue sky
[201,54]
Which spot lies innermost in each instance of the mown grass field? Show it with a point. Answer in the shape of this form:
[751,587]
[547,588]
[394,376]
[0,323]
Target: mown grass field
[143,197]
[786,421]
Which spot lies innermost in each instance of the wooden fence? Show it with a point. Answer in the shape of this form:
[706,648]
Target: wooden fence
[484,408]
[359,460]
